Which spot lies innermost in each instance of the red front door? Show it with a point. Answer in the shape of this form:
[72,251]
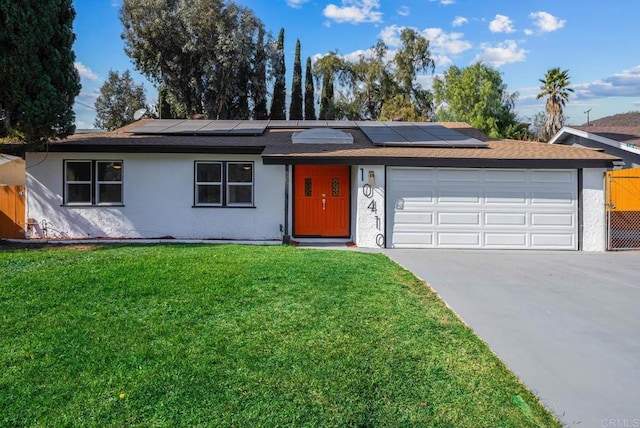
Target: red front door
[321,201]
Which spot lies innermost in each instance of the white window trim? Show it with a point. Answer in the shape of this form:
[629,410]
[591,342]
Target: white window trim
[239,183]
[68,182]
[93,184]
[225,185]
[208,183]
[119,182]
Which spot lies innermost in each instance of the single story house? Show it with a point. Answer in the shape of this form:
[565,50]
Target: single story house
[619,141]
[378,184]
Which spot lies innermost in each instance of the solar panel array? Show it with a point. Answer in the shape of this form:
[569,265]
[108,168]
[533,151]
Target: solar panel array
[202,127]
[407,134]
[416,134]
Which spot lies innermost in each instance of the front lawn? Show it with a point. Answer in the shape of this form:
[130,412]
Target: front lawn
[239,336]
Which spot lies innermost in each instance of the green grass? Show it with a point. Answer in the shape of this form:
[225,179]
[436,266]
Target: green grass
[239,336]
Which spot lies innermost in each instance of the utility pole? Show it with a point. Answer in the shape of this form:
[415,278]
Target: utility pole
[587,113]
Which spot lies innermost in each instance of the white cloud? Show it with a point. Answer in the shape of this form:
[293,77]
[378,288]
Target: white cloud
[85,72]
[354,11]
[403,11]
[501,53]
[391,35]
[545,22]
[444,2]
[624,84]
[296,4]
[501,24]
[460,21]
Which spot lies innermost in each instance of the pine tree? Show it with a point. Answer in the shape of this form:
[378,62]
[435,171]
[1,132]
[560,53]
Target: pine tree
[278,109]
[309,94]
[259,81]
[295,111]
[40,81]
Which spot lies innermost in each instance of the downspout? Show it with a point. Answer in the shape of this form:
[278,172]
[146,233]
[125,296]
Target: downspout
[286,238]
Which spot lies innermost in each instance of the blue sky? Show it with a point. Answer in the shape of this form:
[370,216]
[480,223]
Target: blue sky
[596,40]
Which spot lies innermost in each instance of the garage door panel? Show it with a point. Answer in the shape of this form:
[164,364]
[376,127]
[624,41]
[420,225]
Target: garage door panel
[413,240]
[505,240]
[541,197]
[552,219]
[458,219]
[502,197]
[483,208]
[548,241]
[459,239]
[458,175]
[561,176]
[409,218]
[459,197]
[506,176]
[506,219]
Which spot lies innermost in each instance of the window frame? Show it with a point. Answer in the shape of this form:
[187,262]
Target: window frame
[225,185]
[94,183]
[229,184]
[198,183]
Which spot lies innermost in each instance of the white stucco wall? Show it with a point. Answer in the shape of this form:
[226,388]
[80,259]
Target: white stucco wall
[594,225]
[158,200]
[369,222]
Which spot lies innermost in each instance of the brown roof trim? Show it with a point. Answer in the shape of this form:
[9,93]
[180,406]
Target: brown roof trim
[441,162]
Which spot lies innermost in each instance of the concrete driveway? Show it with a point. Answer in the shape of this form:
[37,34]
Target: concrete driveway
[567,323]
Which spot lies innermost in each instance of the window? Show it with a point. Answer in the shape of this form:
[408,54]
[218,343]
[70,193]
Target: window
[224,184]
[92,182]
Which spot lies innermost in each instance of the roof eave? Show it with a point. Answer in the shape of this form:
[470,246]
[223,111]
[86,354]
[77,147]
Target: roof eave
[439,162]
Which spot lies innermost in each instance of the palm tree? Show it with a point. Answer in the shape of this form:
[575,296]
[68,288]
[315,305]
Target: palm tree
[555,86]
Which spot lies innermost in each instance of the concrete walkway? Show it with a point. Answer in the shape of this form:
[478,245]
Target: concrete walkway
[567,323]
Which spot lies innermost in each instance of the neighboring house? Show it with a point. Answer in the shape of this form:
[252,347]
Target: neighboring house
[619,141]
[391,184]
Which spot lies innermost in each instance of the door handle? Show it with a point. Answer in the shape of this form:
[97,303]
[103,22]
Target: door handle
[324,202]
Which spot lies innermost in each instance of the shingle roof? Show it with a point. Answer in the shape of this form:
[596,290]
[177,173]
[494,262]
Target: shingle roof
[276,148]
[622,134]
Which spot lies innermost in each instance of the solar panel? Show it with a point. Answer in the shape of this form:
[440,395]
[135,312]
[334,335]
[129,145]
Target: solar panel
[416,134]
[201,127]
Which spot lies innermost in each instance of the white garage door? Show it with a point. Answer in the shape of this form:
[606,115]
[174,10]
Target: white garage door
[482,208]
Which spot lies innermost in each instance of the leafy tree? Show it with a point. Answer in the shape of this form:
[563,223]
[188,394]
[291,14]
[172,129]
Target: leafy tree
[119,98]
[379,88]
[412,58]
[372,83]
[259,84]
[278,109]
[295,111]
[309,93]
[476,95]
[40,81]
[199,50]
[555,87]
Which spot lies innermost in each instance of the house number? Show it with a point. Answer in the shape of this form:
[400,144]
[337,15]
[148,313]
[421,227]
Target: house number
[367,190]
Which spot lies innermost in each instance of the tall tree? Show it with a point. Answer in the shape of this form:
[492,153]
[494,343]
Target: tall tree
[259,83]
[295,110]
[476,95]
[199,50]
[119,99]
[328,68]
[413,58]
[40,81]
[309,93]
[555,86]
[278,105]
